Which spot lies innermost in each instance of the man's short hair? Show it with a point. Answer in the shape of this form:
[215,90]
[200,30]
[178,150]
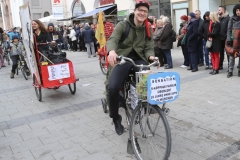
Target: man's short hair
[198,11]
[223,7]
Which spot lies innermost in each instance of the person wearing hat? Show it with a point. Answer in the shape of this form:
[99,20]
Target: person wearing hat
[182,33]
[192,42]
[14,33]
[233,20]
[54,34]
[138,47]
[16,49]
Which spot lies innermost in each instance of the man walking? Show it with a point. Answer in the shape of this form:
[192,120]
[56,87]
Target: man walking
[200,42]
[223,18]
[89,36]
[234,19]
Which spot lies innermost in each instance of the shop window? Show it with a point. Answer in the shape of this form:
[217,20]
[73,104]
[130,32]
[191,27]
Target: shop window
[35,3]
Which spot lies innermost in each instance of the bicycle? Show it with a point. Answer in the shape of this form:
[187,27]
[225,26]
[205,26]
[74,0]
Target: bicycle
[149,131]
[21,66]
[103,61]
[6,56]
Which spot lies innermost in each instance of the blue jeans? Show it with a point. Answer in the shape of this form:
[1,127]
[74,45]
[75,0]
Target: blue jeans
[206,53]
[167,52]
[200,52]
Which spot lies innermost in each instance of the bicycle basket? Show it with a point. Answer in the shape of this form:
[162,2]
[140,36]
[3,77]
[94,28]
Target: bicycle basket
[141,84]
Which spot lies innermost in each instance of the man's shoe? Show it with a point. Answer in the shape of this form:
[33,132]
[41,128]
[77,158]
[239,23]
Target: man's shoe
[201,64]
[220,68]
[189,69]
[168,67]
[118,126]
[194,70]
[183,66]
[215,72]
[229,74]
[12,75]
[94,56]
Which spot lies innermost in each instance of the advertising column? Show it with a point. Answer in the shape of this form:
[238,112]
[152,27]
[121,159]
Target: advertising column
[57,8]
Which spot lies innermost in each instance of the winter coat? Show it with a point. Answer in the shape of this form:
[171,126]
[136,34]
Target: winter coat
[234,19]
[215,35]
[166,38]
[72,35]
[181,34]
[43,37]
[192,36]
[77,31]
[56,36]
[136,40]
[203,30]
[224,19]
[88,34]
[156,36]
[16,48]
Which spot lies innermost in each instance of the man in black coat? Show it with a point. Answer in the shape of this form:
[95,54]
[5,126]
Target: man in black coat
[223,18]
[200,42]
[234,19]
[192,41]
[203,31]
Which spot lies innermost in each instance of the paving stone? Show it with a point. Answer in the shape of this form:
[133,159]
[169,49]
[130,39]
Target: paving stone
[76,130]
[47,150]
[41,124]
[26,145]
[17,122]
[53,137]
[26,135]
[19,129]
[26,155]
[75,153]
[73,141]
[11,139]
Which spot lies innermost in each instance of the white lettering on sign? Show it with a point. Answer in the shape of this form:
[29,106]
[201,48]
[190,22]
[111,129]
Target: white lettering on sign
[59,71]
[163,89]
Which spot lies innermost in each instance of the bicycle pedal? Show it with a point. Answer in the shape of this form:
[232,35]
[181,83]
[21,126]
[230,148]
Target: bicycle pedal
[166,111]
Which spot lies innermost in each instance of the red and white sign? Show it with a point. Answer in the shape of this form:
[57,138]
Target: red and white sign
[105,2]
[57,2]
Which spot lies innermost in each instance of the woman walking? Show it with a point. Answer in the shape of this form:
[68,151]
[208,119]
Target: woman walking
[215,38]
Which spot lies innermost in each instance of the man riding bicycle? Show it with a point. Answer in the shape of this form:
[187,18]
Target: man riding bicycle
[138,46]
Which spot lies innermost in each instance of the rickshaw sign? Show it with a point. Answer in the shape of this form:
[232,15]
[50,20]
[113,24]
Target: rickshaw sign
[163,87]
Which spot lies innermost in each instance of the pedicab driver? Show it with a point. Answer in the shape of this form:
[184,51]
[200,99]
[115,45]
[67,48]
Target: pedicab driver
[136,46]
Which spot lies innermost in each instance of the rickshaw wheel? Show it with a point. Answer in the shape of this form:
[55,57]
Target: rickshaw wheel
[72,88]
[37,89]
[104,105]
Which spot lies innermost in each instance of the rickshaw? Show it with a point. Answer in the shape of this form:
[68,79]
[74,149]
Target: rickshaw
[52,76]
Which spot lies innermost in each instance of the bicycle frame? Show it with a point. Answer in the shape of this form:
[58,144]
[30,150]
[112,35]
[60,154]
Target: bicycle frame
[103,53]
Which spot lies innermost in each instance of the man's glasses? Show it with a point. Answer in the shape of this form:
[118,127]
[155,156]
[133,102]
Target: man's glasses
[142,11]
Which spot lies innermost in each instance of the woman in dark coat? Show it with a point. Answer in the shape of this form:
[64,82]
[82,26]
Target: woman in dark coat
[214,36]
[166,41]
[192,41]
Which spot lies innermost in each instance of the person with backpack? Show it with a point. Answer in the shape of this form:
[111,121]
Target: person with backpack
[167,41]
[138,46]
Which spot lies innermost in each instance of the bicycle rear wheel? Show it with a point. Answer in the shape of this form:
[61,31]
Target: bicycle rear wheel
[103,66]
[24,73]
[150,133]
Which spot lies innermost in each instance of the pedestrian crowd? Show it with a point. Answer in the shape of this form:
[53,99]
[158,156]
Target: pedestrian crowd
[203,41]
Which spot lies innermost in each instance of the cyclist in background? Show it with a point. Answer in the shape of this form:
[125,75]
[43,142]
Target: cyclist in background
[16,49]
[138,46]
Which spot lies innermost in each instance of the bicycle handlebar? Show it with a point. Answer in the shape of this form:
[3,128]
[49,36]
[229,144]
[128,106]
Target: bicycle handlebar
[122,60]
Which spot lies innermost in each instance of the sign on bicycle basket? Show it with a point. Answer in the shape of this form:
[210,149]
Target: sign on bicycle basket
[163,87]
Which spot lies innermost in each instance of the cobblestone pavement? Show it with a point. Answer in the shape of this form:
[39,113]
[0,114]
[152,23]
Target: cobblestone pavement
[204,121]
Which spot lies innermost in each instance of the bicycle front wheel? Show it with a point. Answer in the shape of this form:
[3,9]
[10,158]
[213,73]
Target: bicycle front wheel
[24,73]
[150,133]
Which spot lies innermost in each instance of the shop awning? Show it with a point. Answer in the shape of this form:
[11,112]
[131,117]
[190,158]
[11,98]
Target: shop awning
[95,11]
[67,19]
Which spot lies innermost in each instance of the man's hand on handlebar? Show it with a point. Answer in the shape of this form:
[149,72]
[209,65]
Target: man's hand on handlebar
[112,58]
[152,58]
